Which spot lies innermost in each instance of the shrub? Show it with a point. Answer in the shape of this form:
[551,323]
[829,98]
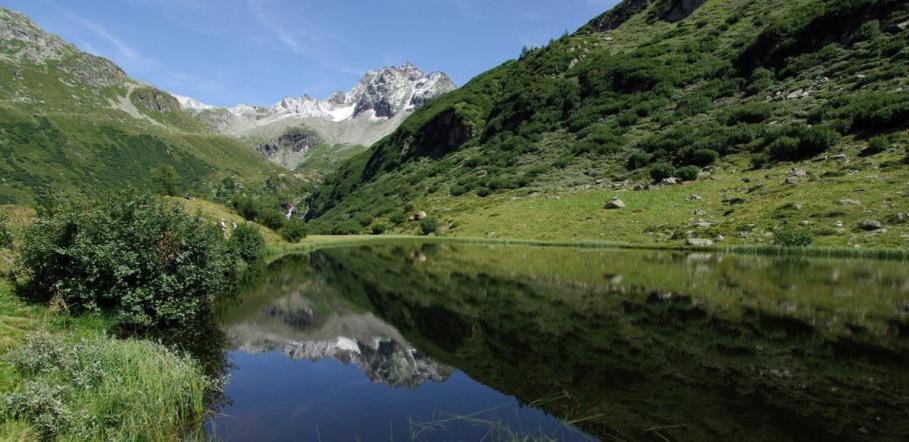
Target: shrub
[868,31]
[345,228]
[399,218]
[429,225]
[688,173]
[800,142]
[877,145]
[364,219]
[6,238]
[660,171]
[761,79]
[246,207]
[130,254]
[248,243]
[704,157]
[791,236]
[165,179]
[638,160]
[750,113]
[271,218]
[378,229]
[294,231]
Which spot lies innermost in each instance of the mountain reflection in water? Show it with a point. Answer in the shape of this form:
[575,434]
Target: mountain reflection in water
[571,344]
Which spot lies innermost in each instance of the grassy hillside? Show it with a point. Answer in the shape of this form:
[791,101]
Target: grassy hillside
[728,96]
[76,123]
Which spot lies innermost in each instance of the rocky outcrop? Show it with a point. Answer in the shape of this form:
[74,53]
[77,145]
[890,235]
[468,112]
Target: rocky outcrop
[154,100]
[669,10]
[290,149]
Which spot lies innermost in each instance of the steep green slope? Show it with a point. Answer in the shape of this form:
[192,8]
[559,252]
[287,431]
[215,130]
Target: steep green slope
[73,122]
[655,89]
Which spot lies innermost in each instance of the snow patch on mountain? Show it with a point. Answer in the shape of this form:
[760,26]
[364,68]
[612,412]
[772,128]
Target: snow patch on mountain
[187,103]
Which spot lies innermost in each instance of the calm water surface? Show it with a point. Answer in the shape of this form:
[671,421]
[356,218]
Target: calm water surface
[447,342]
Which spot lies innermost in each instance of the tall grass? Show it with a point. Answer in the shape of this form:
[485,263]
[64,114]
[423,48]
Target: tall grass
[103,389]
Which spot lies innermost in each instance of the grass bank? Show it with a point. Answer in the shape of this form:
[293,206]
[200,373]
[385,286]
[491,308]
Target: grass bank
[316,242]
[63,378]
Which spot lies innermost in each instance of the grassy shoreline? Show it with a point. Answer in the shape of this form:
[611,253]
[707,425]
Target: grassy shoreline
[316,242]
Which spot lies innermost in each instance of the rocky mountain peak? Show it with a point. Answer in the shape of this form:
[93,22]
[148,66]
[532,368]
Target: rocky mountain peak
[23,39]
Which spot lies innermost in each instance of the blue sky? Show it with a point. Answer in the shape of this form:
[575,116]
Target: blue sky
[225,52]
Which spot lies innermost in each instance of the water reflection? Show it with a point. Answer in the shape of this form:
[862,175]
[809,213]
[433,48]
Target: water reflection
[622,345]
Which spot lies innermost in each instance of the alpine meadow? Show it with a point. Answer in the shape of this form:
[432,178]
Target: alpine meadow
[687,220]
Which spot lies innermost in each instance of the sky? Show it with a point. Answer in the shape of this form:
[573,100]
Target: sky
[225,52]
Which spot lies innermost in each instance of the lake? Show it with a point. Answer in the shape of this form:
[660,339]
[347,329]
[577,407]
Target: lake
[458,342]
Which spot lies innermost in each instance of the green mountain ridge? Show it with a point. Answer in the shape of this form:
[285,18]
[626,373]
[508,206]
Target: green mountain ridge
[741,93]
[74,122]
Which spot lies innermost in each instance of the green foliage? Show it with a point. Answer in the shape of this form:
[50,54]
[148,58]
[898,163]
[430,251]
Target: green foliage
[378,229]
[800,142]
[688,173]
[638,160]
[248,243]
[131,254]
[704,157]
[868,31]
[792,236]
[364,219]
[6,238]
[294,231]
[761,80]
[750,113]
[246,207]
[165,180]
[876,145]
[660,171]
[271,218]
[429,225]
[105,389]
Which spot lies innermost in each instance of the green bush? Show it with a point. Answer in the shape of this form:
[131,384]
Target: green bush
[638,160]
[660,171]
[248,243]
[165,179]
[801,142]
[246,207]
[791,236]
[345,228]
[105,389]
[6,238]
[378,229]
[688,173]
[364,219]
[761,79]
[704,157]
[876,145]
[131,254]
[271,218]
[750,113]
[294,231]
[429,225]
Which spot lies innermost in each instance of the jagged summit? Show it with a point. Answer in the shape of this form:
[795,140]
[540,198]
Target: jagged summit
[380,94]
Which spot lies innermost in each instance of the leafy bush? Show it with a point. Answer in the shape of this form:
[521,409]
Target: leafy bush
[248,243]
[704,157]
[868,31]
[638,160]
[246,207]
[364,219]
[130,254]
[378,229]
[761,79]
[271,218]
[294,231]
[791,236]
[82,390]
[876,145]
[660,171]
[750,113]
[800,142]
[6,238]
[165,179]
[429,225]
[345,228]
[688,173]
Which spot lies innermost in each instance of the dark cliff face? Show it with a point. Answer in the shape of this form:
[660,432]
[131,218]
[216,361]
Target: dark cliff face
[669,10]
[294,140]
[155,100]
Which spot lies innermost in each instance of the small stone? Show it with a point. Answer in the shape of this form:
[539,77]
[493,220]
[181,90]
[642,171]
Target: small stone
[850,202]
[743,234]
[838,224]
[695,197]
[871,225]
[720,238]
[698,242]
[615,203]
[700,212]
[638,187]
[701,224]
[670,181]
